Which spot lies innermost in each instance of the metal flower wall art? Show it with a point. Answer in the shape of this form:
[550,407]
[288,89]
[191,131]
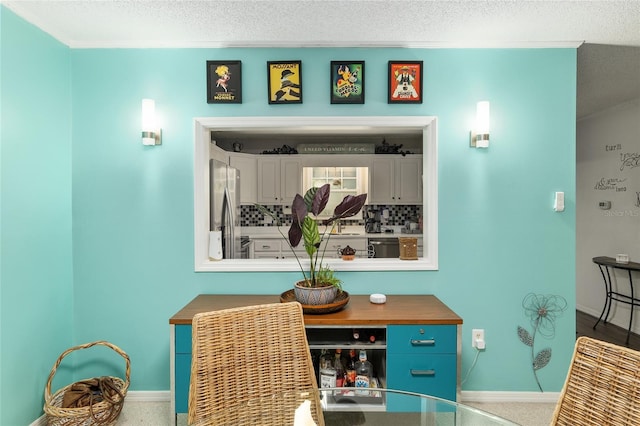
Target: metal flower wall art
[542,311]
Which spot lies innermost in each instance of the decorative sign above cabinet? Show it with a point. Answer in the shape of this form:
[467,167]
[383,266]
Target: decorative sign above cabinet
[336,148]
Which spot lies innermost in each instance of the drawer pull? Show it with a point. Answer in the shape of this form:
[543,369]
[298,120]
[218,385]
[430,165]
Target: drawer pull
[423,342]
[428,373]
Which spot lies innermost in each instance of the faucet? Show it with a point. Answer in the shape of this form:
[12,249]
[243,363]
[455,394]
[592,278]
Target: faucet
[339,227]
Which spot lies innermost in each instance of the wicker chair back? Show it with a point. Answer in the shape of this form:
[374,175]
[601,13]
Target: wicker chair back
[602,386]
[251,366]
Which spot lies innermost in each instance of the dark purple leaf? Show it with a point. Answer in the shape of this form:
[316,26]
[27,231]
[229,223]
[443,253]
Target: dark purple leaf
[298,210]
[295,235]
[321,199]
[349,206]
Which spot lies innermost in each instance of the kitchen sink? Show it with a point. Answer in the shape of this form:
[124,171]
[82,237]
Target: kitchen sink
[348,233]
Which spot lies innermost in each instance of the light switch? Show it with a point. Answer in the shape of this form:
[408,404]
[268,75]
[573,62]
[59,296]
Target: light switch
[558,204]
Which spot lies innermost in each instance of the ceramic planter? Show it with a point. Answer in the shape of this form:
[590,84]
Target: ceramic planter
[314,295]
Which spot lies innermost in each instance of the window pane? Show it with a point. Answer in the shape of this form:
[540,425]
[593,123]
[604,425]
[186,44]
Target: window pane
[319,171]
[349,184]
[349,172]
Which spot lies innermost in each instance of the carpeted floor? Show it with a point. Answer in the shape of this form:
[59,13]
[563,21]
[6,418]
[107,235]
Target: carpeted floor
[157,413]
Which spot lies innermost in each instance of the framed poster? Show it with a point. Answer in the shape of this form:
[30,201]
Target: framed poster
[224,82]
[284,82]
[347,82]
[405,82]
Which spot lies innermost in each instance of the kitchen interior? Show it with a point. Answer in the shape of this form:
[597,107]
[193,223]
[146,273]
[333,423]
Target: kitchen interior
[268,167]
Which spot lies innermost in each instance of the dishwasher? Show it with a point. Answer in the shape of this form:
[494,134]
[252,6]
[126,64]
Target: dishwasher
[385,247]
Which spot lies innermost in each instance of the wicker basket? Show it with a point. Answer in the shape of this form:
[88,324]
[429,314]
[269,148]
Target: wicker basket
[102,413]
[408,248]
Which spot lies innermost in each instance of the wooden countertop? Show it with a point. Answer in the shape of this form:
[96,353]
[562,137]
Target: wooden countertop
[399,309]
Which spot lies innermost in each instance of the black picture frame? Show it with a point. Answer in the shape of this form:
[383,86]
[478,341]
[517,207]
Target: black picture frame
[347,82]
[284,82]
[224,82]
[405,81]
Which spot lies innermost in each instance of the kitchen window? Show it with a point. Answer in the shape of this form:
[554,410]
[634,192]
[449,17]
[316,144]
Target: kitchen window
[343,180]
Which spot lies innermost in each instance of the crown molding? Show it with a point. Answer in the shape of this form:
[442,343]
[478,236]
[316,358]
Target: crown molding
[163,44]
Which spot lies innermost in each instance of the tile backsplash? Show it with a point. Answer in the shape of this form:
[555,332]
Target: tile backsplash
[398,214]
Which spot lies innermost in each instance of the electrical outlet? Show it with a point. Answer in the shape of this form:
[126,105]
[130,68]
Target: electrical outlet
[477,338]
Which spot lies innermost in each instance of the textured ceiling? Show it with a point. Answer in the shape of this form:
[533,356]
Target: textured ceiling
[607,76]
[608,66]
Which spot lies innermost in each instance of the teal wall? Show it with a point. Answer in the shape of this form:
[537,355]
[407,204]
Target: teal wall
[499,236]
[133,205]
[36,283]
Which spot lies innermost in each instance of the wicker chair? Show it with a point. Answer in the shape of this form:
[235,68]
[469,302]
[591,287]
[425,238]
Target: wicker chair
[251,366]
[602,387]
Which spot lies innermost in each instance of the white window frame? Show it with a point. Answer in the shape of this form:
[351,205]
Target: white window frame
[203,126]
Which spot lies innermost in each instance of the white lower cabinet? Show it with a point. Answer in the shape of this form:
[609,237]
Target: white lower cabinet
[265,249]
[277,248]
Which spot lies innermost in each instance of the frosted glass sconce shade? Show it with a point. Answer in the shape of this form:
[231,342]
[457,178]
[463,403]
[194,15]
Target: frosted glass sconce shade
[151,134]
[480,134]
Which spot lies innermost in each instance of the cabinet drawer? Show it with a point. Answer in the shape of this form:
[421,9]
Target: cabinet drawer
[266,255]
[266,245]
[421,339]
[429,374]
[183,339]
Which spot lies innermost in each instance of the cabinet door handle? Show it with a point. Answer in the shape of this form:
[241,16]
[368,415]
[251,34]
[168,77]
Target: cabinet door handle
[429,373]
[423,342]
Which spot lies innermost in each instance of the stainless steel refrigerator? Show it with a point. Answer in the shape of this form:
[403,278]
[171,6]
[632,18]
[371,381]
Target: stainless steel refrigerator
[225,207]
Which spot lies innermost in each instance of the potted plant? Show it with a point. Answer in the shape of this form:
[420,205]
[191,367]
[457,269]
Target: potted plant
[305,228]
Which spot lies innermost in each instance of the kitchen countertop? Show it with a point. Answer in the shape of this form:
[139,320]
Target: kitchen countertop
[348,232]
[398,309]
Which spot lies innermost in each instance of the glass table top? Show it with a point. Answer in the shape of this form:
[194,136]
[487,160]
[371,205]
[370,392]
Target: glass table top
[350,407]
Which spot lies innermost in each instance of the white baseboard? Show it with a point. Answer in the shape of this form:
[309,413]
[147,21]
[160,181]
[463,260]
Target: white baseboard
[148,396]
[500,396]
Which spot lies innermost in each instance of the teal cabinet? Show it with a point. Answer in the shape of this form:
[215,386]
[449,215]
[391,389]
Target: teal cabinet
[419,358]
[417,342]
[422,359]
[182,367]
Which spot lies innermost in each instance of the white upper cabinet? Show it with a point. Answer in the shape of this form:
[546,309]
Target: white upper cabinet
[279,179]
[395,180]
[247,164]
[408,180]
[290,179]
[269,180]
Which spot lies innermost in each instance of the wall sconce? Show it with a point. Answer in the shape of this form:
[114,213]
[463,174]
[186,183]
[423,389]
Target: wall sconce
[480,134]
[151,134]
